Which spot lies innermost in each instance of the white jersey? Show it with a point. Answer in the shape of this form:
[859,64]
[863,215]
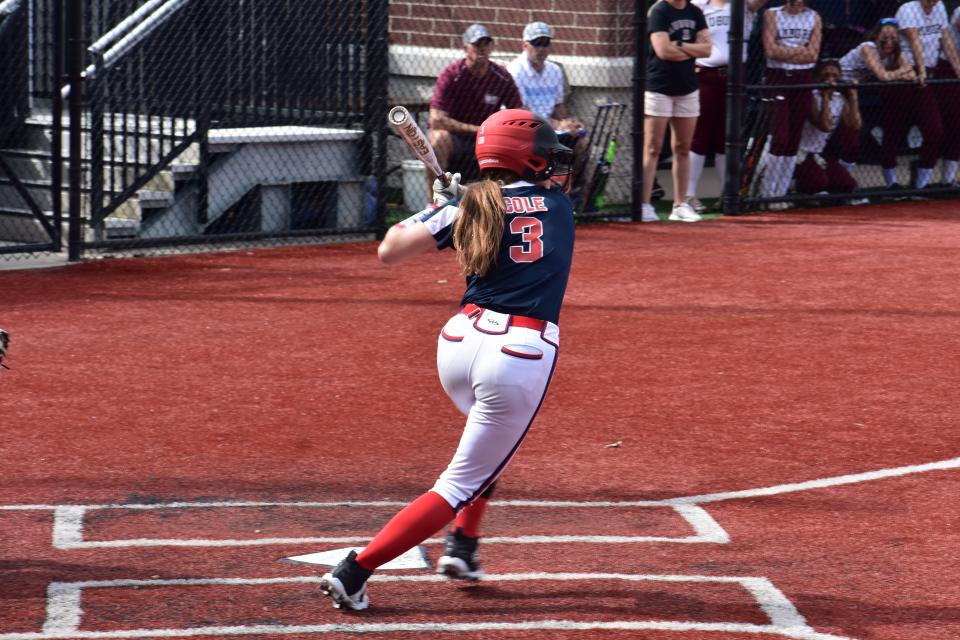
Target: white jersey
[929,28]
[813,140]
[718,21]
[954,32]
[854,65]
[794,30]
[542,91]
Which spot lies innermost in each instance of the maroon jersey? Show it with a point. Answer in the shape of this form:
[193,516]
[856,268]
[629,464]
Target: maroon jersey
[469,99]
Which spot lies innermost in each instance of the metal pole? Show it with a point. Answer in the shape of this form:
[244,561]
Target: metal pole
[639,84]
[735,97]
[56,143]
[74,62]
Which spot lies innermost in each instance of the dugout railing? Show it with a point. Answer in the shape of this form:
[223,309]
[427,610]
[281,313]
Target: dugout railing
[196,123]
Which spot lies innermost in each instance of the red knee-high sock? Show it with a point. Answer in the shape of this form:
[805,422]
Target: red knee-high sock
[412,525]
[470,516]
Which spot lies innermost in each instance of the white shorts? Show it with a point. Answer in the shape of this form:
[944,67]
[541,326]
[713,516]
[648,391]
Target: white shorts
[662,106]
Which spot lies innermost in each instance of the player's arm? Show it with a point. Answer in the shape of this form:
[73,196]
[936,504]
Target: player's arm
[820,115]
[771,49]
[872,60]
[702,47]
[950,49]
[404,241]
[913,39]
[441,120]
[851,109]
[666,49]
[811,52]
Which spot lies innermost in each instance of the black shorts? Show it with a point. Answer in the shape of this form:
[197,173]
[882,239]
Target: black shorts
[463,160]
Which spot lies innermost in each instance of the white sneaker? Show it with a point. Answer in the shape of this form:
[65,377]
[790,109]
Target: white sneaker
[648,213]
[684,213]
[858,201]
[695,204]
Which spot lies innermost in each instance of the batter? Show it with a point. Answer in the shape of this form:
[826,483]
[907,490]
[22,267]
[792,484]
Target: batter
[513,235]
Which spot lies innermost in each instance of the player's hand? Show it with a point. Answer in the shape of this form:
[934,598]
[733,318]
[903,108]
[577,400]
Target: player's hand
[445,194]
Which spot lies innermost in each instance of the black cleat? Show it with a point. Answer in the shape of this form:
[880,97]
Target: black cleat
[459,559]
[347,584]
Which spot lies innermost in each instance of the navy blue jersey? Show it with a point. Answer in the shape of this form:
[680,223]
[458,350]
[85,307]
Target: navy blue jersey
[533,264]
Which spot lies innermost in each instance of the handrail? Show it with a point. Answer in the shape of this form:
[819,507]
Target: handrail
[159,11]
[125,25]
[9,6]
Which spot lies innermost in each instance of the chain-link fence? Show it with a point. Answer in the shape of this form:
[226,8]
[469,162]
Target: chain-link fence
[203,122]
[851,101]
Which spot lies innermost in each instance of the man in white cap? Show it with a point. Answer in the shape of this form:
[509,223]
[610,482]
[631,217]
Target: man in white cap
[542,86]
[467,92]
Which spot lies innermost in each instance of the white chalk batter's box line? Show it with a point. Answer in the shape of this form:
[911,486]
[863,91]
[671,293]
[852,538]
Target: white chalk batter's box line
[68,519]
[68,525]
[65,613]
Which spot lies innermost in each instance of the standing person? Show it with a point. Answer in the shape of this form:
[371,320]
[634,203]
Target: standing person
[709,137]
[948,98]
[876,59]
[791,41]
[513,235]
[467,92]
[678,36]
[542,88]
[818,173]
[923,34]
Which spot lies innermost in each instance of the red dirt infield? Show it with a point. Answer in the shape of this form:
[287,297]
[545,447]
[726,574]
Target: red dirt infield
[209,414]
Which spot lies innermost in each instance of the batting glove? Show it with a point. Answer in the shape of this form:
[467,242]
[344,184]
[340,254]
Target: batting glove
[445,194]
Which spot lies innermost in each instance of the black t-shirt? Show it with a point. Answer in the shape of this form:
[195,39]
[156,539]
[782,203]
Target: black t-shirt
[667,77]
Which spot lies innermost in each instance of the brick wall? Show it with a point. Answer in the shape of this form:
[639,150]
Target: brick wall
[583,27]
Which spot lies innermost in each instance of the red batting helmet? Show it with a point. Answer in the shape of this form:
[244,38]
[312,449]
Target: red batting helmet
[518,140]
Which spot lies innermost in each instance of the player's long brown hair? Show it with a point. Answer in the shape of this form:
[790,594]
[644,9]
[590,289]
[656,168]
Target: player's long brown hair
[479,229]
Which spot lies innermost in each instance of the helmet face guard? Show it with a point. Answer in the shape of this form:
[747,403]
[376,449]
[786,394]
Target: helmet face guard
[524,143]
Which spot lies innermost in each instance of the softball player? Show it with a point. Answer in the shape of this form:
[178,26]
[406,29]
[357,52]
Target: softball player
[709,138]
[791,41]
[513,235]
[924,35]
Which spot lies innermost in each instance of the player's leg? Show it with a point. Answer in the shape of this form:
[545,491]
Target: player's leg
[682,129]
[508,391]
[948,97]
[895,120]
[459,560]
[931,127]
[655,123]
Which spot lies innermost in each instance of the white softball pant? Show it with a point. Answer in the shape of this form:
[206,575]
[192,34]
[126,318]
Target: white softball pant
[496,368]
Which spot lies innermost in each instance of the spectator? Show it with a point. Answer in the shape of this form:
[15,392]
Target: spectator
[791,42]
[948,98]
[709,138]
[878,59]
[923,36]
[678,36]
[829,107]
[467,92]
[542,89]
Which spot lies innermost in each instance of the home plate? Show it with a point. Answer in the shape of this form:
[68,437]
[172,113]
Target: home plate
[415,558]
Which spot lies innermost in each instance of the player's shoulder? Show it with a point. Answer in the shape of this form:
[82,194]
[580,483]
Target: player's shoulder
[500,71]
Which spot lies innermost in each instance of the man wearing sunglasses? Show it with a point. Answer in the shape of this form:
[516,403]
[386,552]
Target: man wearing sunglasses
[543,90]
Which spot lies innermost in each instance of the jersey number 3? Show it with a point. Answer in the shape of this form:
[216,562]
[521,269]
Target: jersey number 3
[530,230]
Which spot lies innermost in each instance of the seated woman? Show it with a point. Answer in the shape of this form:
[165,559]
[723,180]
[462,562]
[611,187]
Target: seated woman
[816,173]
[878,58]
